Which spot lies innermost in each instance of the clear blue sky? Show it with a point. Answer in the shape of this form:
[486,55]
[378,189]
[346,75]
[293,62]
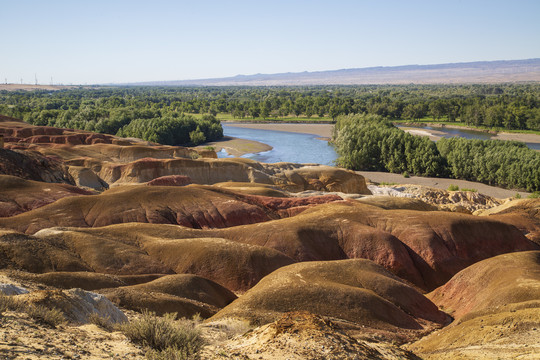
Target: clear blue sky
[97,41]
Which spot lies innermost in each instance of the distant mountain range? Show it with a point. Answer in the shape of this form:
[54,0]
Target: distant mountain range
[470,72]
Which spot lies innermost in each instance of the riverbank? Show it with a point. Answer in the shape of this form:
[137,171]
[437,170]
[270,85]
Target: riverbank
[324,131]
[321,130]
[436,135]
[238,147]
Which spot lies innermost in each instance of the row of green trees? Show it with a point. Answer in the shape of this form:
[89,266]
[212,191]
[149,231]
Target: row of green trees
[183,129]
[507,106]
[369,142]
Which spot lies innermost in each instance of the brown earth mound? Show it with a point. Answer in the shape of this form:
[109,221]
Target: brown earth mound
[19,195]
[425,248]
[192,206]
[357,291]
[23,252]
[301,335]
[496,302]
[33,166]
[234,265]
[253,188]
[491,283]
[397,203]
[74,252]
[79,279]
[171,180]
[183,294]
[523,214]
[187,286]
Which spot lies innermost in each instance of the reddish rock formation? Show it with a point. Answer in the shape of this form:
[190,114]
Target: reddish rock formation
[192,206]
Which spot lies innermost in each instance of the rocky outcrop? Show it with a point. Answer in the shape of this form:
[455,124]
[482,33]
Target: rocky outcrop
[454,201]
[290,177]
[33,166]
[77,305]
[11,289]
[302,335]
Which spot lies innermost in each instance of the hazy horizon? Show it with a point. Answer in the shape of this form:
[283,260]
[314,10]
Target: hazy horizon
[133,41]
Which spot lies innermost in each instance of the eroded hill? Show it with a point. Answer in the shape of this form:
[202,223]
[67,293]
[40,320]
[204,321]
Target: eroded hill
[137,227]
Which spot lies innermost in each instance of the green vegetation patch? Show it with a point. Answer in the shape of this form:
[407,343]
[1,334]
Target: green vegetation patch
[371,143]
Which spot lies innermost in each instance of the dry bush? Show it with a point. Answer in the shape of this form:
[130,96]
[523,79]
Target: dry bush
[165,337]
[103,322]
[42,314]
[8,303]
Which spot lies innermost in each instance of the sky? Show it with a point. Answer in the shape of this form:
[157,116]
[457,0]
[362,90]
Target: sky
[121,41]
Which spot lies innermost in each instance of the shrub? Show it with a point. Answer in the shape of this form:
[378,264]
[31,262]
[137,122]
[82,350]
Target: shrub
[453,187]
[534,195]
[518,196]
[165,337]
[471,190]
[42,314]
[8,303]
[406,175]
[103,322]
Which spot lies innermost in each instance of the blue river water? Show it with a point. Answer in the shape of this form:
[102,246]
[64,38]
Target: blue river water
[306,148]
[287,146]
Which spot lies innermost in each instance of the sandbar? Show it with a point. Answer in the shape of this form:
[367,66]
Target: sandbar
[238,147]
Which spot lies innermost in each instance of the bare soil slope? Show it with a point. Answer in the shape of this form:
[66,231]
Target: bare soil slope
[357,291]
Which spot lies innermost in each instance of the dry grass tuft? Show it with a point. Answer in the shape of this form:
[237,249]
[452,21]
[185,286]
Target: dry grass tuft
[165,337]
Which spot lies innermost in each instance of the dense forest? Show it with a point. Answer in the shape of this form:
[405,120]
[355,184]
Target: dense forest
[369,142]
[503,106]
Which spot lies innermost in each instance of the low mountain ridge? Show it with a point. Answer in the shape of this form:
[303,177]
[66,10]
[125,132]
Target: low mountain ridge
[453,73]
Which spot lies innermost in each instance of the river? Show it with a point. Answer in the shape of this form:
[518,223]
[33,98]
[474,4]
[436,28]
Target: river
[308,148]
[287,146]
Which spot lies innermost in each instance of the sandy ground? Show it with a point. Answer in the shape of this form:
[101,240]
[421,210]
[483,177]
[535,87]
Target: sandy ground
[238,147]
